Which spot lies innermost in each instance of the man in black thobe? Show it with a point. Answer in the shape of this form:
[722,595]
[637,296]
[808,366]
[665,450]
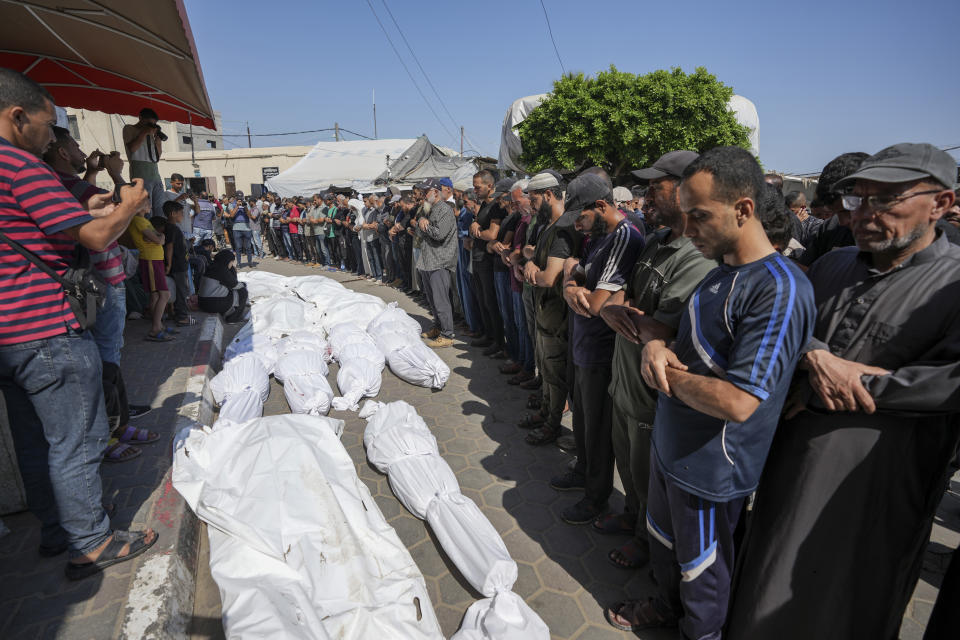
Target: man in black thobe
[845,507]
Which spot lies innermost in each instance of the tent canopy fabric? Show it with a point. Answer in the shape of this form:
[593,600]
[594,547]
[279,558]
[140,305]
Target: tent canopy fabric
[113,56]
[510,147]
[348,164]
[421,161]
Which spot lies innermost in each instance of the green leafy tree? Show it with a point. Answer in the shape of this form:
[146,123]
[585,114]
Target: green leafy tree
[621,121]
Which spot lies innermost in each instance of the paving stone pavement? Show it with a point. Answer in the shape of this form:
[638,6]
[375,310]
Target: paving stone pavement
[564,574]
[36,600]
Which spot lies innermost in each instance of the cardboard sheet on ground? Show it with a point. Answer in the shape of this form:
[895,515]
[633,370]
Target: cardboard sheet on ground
[298,547]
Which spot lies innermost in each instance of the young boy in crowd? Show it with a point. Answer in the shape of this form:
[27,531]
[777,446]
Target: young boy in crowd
[149,243]
[175,260]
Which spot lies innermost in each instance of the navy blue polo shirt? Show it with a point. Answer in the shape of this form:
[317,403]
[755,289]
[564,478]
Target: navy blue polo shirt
[607,266]
[746,324]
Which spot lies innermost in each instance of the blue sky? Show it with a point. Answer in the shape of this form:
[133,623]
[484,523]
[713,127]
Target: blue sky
[826,77]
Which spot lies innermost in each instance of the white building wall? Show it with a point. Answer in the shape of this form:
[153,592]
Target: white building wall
[96,130]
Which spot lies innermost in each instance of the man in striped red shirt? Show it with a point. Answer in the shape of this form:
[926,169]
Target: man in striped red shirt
[49,368]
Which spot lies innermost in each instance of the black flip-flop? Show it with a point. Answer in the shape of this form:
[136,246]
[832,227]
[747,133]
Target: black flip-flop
[109,557]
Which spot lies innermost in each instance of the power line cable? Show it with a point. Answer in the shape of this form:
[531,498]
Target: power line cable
[407,69]
[422,70]
[550,29]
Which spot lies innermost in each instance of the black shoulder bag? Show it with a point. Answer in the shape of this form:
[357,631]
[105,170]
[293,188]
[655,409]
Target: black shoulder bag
[81,283]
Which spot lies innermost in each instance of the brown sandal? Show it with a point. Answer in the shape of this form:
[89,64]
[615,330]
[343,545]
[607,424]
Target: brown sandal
[637,615]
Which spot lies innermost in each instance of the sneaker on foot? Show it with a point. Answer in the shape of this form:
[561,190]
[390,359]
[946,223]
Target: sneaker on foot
[582,512]
[433,333]
[441,341]
[569,481]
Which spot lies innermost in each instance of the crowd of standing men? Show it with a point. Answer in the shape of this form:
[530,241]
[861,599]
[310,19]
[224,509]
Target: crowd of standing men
[778,386]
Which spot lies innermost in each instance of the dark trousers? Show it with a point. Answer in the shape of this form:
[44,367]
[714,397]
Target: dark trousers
[631,447]
[552,361]
[296,242]
[592,431]
[504,293]
[405,247]
[115,395]
[691,553]
[487,296]
[336,250]
[373,257]
[386,254]
[310,250]
[276,243]
[436,286]
[182,281]
[357,254]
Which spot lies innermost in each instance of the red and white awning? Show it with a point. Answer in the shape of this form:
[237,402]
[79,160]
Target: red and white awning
[115,56]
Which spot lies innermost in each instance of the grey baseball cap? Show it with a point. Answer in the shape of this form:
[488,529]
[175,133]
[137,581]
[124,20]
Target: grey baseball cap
[503,186]
[672,163]
[906,162]
[583,191]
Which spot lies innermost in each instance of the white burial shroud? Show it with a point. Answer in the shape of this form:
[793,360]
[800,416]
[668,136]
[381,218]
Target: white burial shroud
[298,547]
[399,443]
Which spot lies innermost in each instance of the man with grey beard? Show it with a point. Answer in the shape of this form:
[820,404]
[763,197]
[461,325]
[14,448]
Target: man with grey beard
[437,228]
[858,465]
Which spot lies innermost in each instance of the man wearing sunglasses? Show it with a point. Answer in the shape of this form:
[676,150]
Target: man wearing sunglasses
[858,465]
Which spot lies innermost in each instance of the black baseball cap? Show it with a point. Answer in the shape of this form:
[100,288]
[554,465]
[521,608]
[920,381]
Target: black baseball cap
[906,162]
[585,190]
[429,183]
[671,163]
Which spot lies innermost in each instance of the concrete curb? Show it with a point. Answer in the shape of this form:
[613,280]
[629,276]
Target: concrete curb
[160,601]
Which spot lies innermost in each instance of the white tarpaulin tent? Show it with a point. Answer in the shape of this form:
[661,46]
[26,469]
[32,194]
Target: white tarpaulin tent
[349,164]
[510,147]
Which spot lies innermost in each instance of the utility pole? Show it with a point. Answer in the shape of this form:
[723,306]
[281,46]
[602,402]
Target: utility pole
[374,113]
[461,142]
[388,169]
[193,159]
[336,131]
[250,144]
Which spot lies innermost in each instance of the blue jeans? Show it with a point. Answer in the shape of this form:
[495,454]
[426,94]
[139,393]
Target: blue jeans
[107,332]
[243,244]
[501,282]
[288,244]
[257,242]
[54,395]
[524,339]
[323,250]
[373,255]
[203,234]
[468,299]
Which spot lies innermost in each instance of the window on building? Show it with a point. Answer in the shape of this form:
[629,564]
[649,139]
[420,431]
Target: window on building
[212,144]
[74,127]
[229,185]
[187,140]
